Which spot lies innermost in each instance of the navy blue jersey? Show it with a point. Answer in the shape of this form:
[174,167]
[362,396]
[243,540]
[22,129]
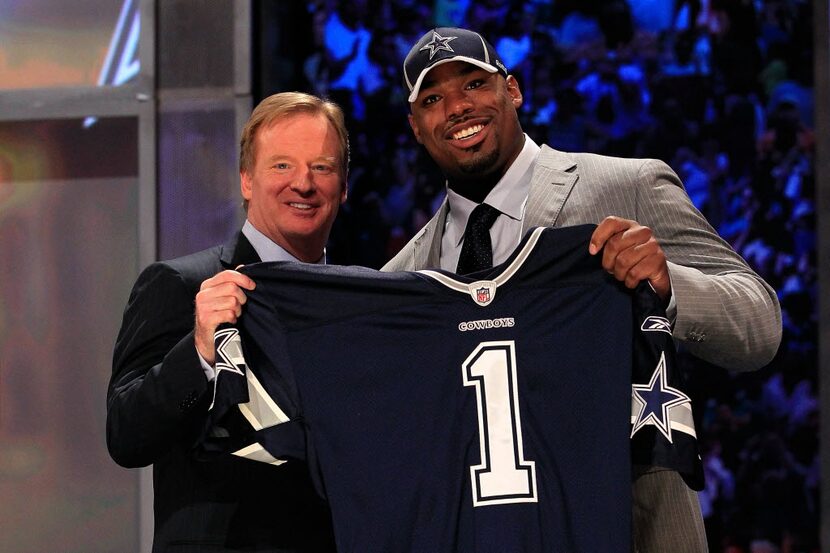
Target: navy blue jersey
[443,413]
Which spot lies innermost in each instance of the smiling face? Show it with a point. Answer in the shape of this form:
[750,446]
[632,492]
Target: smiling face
[296,183]
[467,120]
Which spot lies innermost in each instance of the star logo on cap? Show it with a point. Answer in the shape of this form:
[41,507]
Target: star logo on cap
[437,43]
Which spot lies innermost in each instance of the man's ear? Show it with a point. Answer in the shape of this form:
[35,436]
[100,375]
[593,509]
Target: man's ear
[415,130]
[245,185]
[514,91]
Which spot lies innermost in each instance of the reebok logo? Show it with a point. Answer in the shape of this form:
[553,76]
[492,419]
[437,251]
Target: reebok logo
[656,324]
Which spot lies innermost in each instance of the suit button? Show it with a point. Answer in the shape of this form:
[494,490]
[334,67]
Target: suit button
[188,402]
[694,336]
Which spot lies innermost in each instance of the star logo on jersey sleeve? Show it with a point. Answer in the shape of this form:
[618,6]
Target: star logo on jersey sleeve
[437,43]
[652,402]
[229,358]
[229,351]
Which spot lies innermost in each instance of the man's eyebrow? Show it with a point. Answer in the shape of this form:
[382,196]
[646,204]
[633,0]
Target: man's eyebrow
[287,156]
[275,157]
[428,83]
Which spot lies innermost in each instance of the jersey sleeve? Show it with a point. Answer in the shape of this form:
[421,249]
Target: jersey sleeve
[662,427]
[253,413]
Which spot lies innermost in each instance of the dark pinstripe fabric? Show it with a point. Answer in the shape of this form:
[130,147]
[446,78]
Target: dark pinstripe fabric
[156,406]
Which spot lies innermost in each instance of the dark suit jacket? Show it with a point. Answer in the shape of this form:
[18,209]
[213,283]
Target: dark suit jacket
[157,404]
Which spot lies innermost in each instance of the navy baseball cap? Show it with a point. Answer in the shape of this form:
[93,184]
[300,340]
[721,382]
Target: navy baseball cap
[443,45]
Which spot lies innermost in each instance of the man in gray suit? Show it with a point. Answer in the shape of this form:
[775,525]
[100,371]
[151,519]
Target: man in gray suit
[463,105]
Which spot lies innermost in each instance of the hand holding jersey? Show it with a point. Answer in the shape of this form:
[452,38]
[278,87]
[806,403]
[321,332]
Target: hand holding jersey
[220,300]
[632,254]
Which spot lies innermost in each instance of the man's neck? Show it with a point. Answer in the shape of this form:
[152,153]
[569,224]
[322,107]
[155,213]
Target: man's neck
[474,189]
[271,250]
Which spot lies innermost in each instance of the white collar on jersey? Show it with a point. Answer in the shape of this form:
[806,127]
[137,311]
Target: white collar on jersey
[483,291]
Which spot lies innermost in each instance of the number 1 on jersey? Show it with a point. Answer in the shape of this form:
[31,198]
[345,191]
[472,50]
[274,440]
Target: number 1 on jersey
[504,476]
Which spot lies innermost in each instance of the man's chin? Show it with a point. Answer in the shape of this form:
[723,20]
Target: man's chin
[479,165]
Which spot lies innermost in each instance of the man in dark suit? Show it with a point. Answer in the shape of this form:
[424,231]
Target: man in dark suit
[293,165]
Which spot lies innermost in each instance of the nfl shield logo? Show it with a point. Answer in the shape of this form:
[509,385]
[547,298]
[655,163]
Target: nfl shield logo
[482,291]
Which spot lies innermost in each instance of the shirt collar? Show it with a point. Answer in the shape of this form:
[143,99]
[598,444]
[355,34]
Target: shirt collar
[267,249]
[508,196]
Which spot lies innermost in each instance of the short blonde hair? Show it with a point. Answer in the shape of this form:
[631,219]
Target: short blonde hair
[285,104]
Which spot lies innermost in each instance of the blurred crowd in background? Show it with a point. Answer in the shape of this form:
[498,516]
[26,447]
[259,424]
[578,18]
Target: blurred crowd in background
[719,89]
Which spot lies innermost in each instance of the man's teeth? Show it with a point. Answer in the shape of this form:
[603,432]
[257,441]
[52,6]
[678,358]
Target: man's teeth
[299,206]
[468,132]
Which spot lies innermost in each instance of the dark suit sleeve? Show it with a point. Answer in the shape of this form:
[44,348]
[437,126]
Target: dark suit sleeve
[158,394]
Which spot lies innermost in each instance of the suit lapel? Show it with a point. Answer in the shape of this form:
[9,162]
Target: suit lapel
[553,179]
[238,251]
[427,244]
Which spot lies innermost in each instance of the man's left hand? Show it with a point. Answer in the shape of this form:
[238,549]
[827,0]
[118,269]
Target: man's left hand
[631,253]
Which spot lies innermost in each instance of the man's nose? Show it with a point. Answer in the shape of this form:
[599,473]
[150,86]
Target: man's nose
[303,183]
[457,104]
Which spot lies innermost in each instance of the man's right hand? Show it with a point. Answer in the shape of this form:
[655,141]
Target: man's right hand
[220,300]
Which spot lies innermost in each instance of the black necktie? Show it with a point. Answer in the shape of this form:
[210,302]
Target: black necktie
[477,251]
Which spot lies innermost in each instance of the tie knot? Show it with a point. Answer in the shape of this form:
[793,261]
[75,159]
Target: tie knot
[482,217]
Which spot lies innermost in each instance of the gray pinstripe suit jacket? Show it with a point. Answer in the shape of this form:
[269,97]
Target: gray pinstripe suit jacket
[726,314]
